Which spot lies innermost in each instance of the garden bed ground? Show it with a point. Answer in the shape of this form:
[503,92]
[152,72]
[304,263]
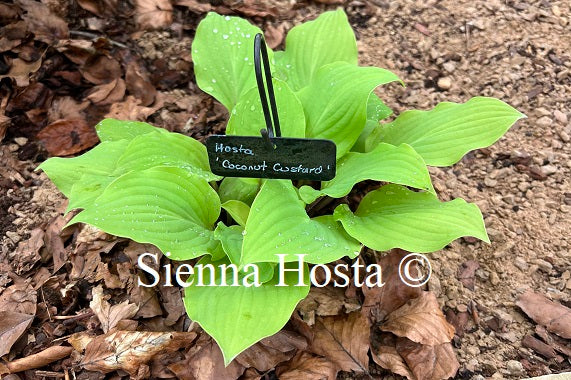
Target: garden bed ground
[443,50]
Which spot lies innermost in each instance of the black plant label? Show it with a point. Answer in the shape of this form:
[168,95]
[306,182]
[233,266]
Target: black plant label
[288,158]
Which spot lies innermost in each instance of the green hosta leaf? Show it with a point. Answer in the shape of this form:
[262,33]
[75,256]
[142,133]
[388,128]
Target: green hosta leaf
[336,102]
[239,316]
[99,161]
[388,163]
[278,224]
[163,148]
[83,179]
[240,189]
[164,206]
[231,239]
[327,39]
[238,211]
[247,117]
[114,130]
[223,55]
[376,111]
[395,217]
[447,132]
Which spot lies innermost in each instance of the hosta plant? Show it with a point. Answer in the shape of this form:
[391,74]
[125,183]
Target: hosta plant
[153,186]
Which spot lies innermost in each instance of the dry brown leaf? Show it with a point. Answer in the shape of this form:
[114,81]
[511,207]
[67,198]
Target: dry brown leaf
[147,301]
[100,69]
[325,302]
[153,14]
[45,25]
[111,280]
[255,8]
[130,109]
[77,51]
[331,1]
[172,303]
[271,351]
[467,273]
[381,301]
[108,93]
[20,71]
[54,242]
[274,36]
[385,354]
[26,255]
[20,298]
[194,6]
[99,7]
[129,350]
[8,12]
[204,361]
[12,326]
[344,340]
[420,320]
[41,359]
[308,367]
[109,315]
[428,362]
[67,137]
[139,85]
[554,316]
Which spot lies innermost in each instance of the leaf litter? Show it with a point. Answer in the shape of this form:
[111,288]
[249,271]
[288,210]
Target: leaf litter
[53,73]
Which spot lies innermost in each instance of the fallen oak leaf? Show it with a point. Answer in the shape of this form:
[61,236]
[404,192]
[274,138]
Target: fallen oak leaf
[20,71]
[308,367]
[325,302]
[41,359]
[271,351]
[108,93]
[67,137]
[421,321]
[20,297]
[139,85]
[194,6]
[204,361]
[100,69]
[381,301]
[130,109]
[109,315]
[428,362]
[153,14]
[555,317]
[129,350]
[344,340]
[12,326]
[385,354]
[27,254]
[46,26]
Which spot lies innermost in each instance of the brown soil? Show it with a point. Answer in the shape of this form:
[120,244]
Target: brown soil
[443,50]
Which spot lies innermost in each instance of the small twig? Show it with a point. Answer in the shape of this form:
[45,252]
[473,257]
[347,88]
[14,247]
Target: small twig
[95,36]
[41,359]
[45,303]
[467,32]
[78,316]
[49,374]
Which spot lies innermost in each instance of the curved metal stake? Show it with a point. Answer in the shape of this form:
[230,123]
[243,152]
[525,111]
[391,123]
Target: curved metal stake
[272,129]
